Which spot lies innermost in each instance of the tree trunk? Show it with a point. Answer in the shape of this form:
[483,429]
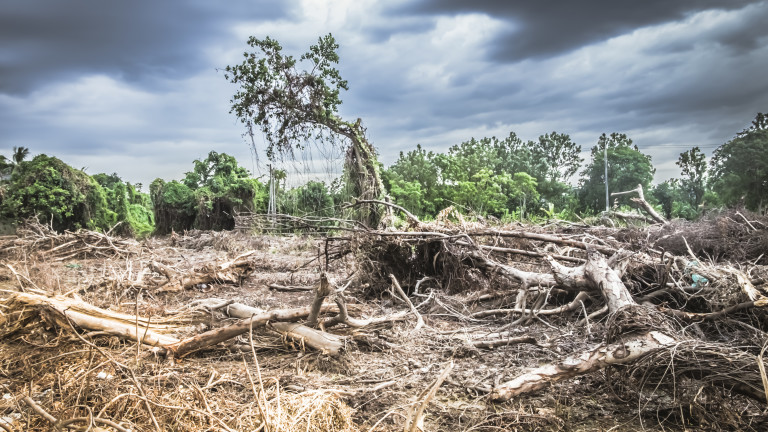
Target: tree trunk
[215,336]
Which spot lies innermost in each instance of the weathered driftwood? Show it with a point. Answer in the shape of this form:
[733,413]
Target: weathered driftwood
[234,272]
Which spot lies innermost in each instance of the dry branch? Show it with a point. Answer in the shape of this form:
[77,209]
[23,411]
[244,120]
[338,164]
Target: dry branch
[212,337]
[234,272]
[640,200]
[322,291]
[401,293]
[415,420]
[579,364]
[60,311]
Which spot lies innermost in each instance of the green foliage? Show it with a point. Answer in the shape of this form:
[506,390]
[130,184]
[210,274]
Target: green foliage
[311,199]
[291,105]
[740,167]
[133,209]
[208,198]
[173,204]
[523,188]
[560,156]
[488,176]
[627,167]
[693,166]
[19,155]
[6,167]
[288,104]
[412,181]
[674,200]
[48,188]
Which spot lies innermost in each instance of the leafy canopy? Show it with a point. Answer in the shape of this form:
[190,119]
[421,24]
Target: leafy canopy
[627,167]
[740,167]
[53,191]
[289,104]
[693,167]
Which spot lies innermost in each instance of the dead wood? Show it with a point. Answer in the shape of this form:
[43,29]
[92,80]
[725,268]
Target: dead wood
[415,420]
[213,337]
[324,342]
[61,311]
[233,272]
[401,293]
[343,317]
[575,304]
[289,288]
[322,291]
[43,242]
[640,200]
[599,358]
[634,332]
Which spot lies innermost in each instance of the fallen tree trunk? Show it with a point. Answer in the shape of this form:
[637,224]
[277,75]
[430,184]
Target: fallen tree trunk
[326,343]
[64,312]
[579,364]
[634,333]
[212,337]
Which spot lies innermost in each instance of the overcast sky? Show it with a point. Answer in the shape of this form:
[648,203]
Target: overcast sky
[136,88]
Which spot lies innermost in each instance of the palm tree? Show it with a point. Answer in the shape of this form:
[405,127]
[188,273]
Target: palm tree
[19,154]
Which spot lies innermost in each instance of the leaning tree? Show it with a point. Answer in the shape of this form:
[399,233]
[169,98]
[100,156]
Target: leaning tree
[292,105]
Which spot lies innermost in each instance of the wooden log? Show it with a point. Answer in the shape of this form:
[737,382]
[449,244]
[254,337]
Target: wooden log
[327,343]
[608,281]
[212,337]
[63,310]
[579,364]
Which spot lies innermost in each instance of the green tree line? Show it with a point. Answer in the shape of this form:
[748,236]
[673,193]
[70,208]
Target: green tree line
[505,178]
[509,178]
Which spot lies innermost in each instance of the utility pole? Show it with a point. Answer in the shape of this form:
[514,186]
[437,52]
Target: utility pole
[272,207]
[605,160]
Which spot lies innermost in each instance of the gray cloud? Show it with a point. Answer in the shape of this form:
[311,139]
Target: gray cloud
[539,29]
[138,41]
[132,87]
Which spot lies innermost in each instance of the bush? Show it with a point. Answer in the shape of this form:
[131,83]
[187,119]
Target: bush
[133,209]
[173,205]
[53,191]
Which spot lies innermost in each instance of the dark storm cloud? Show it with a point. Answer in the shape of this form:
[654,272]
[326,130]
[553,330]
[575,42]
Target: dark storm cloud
[141,41]
[547,28]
